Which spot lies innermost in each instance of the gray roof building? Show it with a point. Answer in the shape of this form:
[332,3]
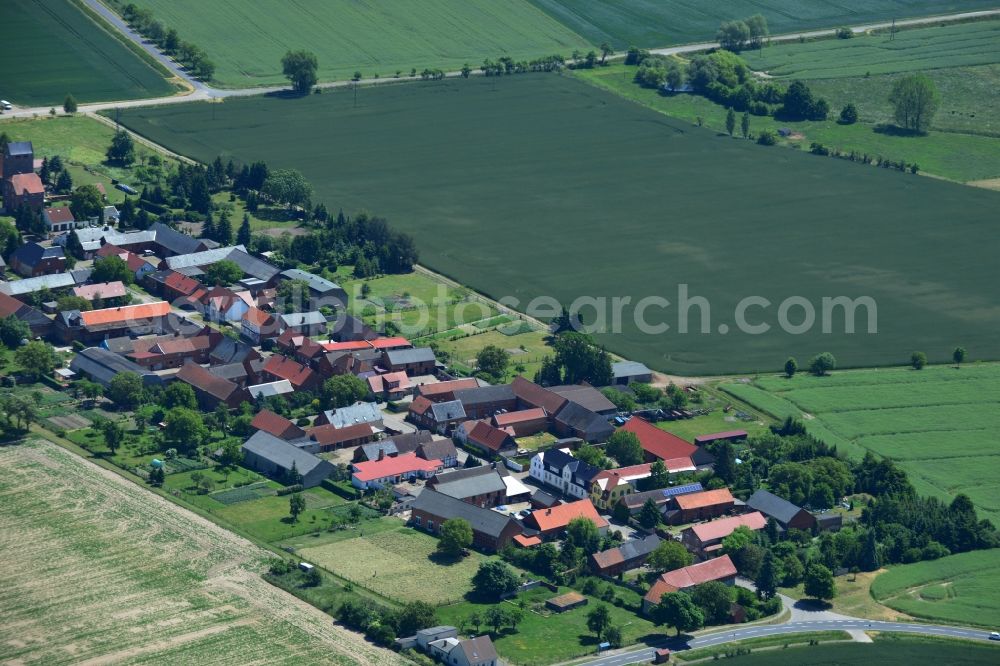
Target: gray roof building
[319,286]
[359,412]
[584,423]
[631,370]
[485,395]
[465,483]
[31,285]
[103,365]
[783,511]
[447,411]
[20,148]
[270,455]
[236,254]
[485,521]
[413,356]
[300,319]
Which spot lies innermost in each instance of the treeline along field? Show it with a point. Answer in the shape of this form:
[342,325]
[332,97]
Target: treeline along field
[51,48]
[542,185]
[650,23]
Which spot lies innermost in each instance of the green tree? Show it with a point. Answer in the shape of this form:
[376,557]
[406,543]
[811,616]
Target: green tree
[225,272]
[342,390]
[113,434]
[678,610]
[849,115]
[613,635]
[111,269]
[822,363]
[582,533]
[69,104]
[493,361]
[914,99]
[918,360]
[122,149]
[730,121]
[37,359]
[958,356]
[296,505]
[767,577]
[819,583]
[733,35]
[496,617]
[243,235]
[13,331]
[300,68]
[739,538]
[125,390]
[86,202]
[64,182]
[658,477]
[606,51]
[414,616]
[745,125]
[625,447]
[668,556]
[466,71]
[649,515]
[791,367]
[758,30]
[715,600]
[287,186]
[455,536]
[185,430]
[725,462]
[493,579]
[179,394]
[582,361]
[675,76]
[598,620]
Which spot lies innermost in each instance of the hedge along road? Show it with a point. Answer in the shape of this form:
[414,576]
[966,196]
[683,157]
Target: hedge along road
[203,91]
[540,185]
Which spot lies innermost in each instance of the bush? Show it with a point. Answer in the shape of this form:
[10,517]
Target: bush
[818,149]
[288,490]
[759,109]
[849,115]
[767,138]
[845,33]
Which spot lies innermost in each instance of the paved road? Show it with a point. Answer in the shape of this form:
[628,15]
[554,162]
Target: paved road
[202,91]
[645,654]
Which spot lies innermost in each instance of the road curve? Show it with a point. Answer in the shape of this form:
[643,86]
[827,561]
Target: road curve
[645,654]
[203,91]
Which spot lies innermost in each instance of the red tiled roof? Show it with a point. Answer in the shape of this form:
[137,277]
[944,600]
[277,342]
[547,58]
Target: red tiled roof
[420,405]
[167,346]
[58,215]
[328,435]
[109,249]
[9,305]
[705,498]
[526,541]
[125,313]
[391,381]
[202,379]
[486,435]
[612,477]
[558,516]
[696,574]
[401,464]
[377,343]
[449,386]
[257,316]
[27,181]
[276,424]
[656,442]
[103,289]
[182,284]
[286,368]
[512,418]
[720,529]
[533,394]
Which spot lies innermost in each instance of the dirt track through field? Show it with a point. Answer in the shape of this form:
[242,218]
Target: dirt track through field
[96,570]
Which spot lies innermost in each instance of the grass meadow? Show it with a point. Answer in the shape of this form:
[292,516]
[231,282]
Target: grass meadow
[53,48]
[652,23]
[246,40]
[936,422]
[614,199]
[962,588]
[99,570]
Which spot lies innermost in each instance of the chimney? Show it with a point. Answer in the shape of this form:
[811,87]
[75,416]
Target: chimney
[381,454]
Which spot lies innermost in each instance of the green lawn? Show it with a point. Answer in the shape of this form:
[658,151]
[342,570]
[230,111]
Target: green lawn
[936,422]
[765,642]
[952,154]
[586,162]
[525,349]
[715,421]
[543,638]
[964,589]
[651,23]
[398,563]
[246,42]
[52,48]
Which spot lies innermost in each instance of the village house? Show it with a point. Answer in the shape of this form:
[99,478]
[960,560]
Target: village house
[392,446]
[388,471]
[224,305]
[233,351]
[482,402]
[486,439]
[347,328]
[551,523]
[277,425]
[23,189]
[110,293]
[630,555]
[662,498]
[703,505]
[787,515]
[417,361]
[303,323]
[478,651]
[322,292]
[211,390]
[491,530]
[661,445]
[38,323]
[445,391]
[390,386]
[56,284]
[330,438]
[586,396]
[140,267]
[438,417]
[359,412]
[18,157]
[102,365]
[262,391]
[704,540]
[32,260]
[58,219]
[251,266]
[173,351]
[380,344]
[575,420]
[559,469]
[96,325]
[277,458]
[301,377]
[719,569]
[257,325]
[522,423]
[610,485]
[481,486]
[628,372]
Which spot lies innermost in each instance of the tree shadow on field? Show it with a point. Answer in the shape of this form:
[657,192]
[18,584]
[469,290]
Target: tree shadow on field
[445,559]
[889,129]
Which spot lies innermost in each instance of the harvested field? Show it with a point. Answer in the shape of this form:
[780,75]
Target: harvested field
[96,570]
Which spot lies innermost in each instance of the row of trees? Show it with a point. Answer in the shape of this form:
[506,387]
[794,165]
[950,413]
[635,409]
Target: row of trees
[742,34]
[193,57]
[577,359]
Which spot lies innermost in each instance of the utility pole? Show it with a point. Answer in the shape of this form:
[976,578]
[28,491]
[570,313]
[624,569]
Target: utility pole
[892,30]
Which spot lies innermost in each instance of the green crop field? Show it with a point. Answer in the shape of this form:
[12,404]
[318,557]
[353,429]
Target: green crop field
[961,588]
[887,650]
[52,48]
[246,40]
[397,563]
[616,200]
[936,422]
[96,569]
[919,49]
[652,23]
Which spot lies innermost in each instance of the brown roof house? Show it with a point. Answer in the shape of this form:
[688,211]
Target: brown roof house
[705,539]
[277,425]
[721,569]
[210,389]
[630,555]
[483,437]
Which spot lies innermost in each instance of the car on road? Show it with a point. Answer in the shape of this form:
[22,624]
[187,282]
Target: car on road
[7,106]
[127,189]
[995,635]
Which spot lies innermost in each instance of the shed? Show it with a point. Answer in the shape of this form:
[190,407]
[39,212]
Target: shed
[565,602]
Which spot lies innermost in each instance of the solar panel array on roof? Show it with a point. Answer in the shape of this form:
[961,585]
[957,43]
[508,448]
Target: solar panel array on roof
[682,490]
